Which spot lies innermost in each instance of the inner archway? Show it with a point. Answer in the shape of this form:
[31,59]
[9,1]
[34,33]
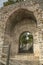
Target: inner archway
[26,42]
[18,16]
[21,20]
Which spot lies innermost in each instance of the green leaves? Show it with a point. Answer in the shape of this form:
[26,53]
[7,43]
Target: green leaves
[7,3]
[11,2]
[25,38]
[26,42]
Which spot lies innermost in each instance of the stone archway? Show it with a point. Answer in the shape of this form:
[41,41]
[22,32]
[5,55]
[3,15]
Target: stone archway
[20,21]
[15,19]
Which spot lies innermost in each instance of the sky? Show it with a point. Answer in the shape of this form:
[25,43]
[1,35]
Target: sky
[1,2]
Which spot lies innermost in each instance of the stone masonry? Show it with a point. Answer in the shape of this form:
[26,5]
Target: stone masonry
[12,14]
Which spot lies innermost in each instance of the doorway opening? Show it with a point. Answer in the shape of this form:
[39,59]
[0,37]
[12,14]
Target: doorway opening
[26,42]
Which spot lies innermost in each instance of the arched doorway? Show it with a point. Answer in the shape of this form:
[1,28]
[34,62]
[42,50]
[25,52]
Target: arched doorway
[26,42]
[20,18]
[20,21]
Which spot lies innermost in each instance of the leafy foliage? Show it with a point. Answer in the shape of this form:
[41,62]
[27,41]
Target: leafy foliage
[8,3]
[24,40]
[11,2]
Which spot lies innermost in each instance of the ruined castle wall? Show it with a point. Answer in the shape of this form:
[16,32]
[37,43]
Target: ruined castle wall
[38,13]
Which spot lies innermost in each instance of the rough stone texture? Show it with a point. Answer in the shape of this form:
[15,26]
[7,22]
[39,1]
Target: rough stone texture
[9,15]
[18,62]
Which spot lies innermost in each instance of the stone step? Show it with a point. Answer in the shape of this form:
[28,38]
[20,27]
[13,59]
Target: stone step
[19,62]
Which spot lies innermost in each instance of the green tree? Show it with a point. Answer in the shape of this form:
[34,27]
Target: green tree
[8,2]
[11,2]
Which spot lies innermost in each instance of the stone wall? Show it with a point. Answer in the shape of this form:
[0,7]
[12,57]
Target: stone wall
[7,12]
